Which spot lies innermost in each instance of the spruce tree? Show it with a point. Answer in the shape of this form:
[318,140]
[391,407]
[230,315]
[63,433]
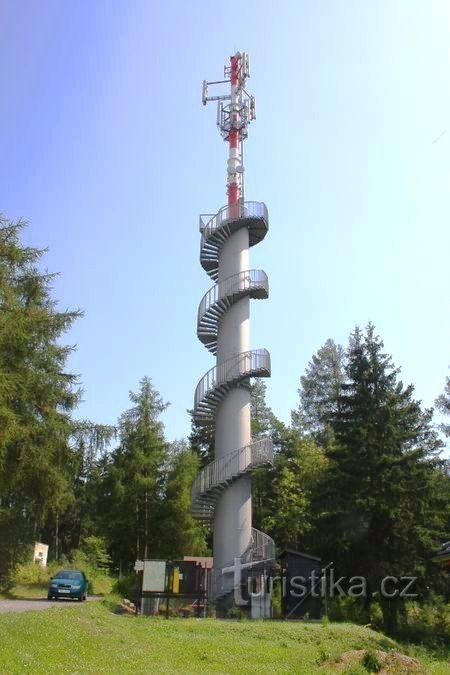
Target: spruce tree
[380,512]
[37,395]
[319,391]
[443,405]
[132,485]
[181,533]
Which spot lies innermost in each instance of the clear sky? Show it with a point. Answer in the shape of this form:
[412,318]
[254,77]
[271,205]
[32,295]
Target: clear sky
[108,153]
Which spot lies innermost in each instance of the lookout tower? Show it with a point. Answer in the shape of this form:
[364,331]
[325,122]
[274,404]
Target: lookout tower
[221,494]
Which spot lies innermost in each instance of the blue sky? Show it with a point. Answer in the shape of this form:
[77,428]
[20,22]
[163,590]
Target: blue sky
[108,153]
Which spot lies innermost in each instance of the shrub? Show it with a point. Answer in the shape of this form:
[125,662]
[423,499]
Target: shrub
[348,609]
[371,662]
[33,574]
[126,587]
[234,613]
[376,616]
[428,623]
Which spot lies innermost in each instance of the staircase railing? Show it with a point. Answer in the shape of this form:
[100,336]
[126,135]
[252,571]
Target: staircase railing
[237,462]
[231,370]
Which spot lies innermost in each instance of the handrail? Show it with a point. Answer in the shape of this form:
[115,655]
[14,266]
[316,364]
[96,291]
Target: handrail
[245,280]
[233,212]
[263,546]
[232,369]
[224,468]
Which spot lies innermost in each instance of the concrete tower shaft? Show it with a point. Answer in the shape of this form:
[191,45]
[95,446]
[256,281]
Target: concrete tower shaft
[222,492]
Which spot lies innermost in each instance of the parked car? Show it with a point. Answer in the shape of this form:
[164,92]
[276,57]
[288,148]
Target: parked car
[68,584]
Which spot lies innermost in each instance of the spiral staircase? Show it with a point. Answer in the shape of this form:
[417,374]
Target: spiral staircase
[215,385]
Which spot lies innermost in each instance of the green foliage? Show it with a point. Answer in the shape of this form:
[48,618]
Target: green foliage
[320,388]
[131,484]
[380,504]
[36,397]
[95,551]
[263,419]
[371,661]
[443,405]
[427,623]
[355,669]
[348,609]
[33,574]
[125,587]
[298,466]
[234,613]
[181,533]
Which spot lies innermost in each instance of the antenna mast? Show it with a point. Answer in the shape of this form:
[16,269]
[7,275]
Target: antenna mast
[233,118]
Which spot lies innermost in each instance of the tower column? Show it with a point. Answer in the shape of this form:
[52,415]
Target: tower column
[221,494]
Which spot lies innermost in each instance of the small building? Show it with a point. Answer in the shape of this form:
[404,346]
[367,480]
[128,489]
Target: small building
[179,586]
[301,585]
[442,557]
[40,553]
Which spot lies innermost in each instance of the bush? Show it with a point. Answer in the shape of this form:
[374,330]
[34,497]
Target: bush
[376,616]
[348,609]
[33,574]
[234,613]
[427,624]
[371,662]
[126,587]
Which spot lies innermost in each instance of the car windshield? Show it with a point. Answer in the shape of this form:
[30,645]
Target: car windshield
[69,574]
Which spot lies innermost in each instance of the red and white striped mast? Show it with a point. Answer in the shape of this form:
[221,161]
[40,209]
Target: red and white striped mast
[233,119]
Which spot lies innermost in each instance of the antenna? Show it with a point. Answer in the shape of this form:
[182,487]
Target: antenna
[235,111]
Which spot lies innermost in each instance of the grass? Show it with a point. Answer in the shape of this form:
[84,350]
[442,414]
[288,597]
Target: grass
[24,592]
[89,638]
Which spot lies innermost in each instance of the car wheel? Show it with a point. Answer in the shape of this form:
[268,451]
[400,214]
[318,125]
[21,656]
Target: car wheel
[49,597]
[80,598]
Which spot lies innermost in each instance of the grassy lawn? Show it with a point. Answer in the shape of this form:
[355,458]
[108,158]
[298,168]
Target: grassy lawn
[24,592]
[91,639]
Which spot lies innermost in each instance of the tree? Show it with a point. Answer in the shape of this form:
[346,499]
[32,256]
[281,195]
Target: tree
[262,416]
[298,466]
[443,405]
[132,481]
[89,443]
[201,441]
[182,534]
[37,396]
[379,511]
[319,390]
[282,493]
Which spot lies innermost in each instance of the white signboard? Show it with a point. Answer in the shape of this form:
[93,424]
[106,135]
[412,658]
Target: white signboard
[154,578]
[139,566]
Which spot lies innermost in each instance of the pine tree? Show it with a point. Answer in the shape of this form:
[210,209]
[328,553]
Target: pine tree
[36,399]
[380,513]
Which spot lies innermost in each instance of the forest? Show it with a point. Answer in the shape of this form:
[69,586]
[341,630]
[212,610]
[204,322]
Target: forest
[359,475]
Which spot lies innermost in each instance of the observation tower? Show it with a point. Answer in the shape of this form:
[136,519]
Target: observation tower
[221,493]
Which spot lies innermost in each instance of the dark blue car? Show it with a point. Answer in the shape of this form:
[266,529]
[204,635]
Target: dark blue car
[68,584]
